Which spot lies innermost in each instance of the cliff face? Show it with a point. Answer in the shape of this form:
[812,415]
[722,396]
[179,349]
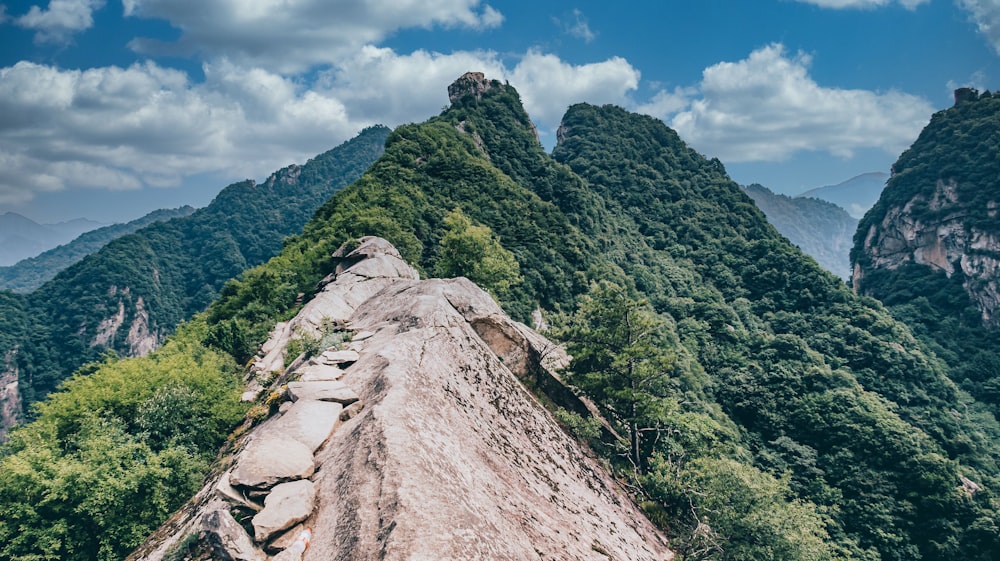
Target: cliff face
[940,240]
[939,208]
[10,394]
[420,441]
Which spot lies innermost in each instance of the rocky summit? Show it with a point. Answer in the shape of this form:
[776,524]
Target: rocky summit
[411,437]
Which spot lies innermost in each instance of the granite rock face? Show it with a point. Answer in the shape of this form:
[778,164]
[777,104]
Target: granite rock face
[445,455]
[940,239]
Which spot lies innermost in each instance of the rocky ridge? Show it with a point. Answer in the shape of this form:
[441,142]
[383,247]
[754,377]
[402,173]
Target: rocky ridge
[940,240]
[410,438]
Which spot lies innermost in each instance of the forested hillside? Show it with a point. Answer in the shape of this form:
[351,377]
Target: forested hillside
[131,294]
[762,409]
[930,248]
[29,274]
[821,229]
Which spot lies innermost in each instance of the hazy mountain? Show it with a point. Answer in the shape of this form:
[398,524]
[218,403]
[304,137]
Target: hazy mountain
[856,195]
[28,274]
[821,229]
[21,237]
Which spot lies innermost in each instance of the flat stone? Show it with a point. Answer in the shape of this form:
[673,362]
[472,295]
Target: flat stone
[269,461]
[287,505]
[322,391]
[225,489]
[339,357]
[307,421]
[320,373]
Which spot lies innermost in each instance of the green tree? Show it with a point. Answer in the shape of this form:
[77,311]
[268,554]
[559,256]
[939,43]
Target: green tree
[472,251]
[620,359]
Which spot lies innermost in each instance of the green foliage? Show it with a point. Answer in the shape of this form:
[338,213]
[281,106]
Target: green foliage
[115,451]
[468,250]
[621,361]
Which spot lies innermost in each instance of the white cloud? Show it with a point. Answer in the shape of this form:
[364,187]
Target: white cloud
[767,108]
[146,125]
[60,20]
[864,4]
[578,27]
[290,37]
[986,14]
[549,85]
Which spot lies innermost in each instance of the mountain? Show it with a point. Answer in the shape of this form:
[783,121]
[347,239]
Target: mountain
[131,294]
[821,229]
[21,237]
[30,273]
[415,458]
[856,195]
[929,248]
[749,402]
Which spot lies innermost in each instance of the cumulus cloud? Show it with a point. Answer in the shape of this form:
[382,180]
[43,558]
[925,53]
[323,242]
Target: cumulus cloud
[986,15]
[767,108]
[548,85]
[60,20]
[846,4]
[290,37]
[124,128]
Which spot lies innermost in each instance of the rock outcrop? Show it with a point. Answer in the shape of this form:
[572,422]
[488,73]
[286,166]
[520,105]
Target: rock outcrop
[941,239]
[443,454]
[10,393]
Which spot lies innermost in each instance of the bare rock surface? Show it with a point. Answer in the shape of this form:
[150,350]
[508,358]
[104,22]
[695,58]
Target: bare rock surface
[451,457]
[286,505]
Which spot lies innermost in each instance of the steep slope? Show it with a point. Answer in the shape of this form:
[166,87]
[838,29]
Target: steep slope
[930,248]
[129,295]
[21,237]
[809,371]
[821,229]
[857,195]
[28,274]
[440,454]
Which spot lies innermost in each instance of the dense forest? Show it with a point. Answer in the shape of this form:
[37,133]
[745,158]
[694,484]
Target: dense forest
[29,274]
[766,411]
[162,274]
[960,147]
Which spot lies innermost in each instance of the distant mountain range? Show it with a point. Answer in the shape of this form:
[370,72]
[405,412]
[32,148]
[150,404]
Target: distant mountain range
[821,229]
[856,195]
[28,274]
[22,237]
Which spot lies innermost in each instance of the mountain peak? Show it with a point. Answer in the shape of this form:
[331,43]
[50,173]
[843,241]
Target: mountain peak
[471,83]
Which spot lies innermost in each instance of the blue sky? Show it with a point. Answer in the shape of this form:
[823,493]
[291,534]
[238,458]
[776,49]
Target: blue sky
[110,109]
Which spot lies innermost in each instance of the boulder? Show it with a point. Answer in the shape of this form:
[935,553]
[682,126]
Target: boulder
[287,505]
[339,357]
[227,539]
